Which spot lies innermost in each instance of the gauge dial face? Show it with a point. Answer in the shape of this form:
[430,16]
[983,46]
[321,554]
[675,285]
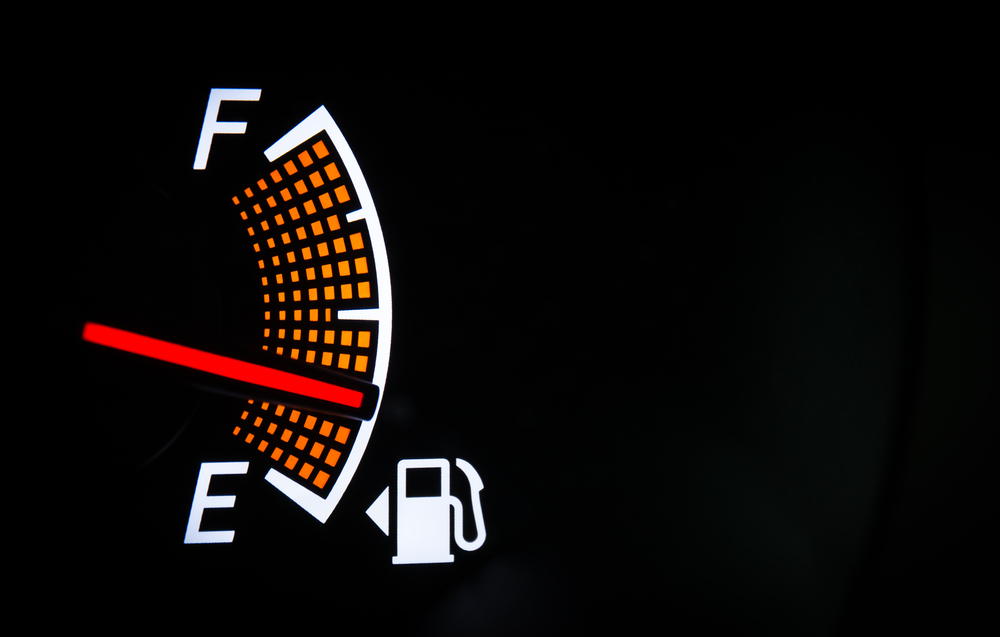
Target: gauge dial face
[212,311]
[312,227]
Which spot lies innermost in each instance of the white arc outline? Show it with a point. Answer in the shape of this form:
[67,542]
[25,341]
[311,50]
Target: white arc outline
[320,120]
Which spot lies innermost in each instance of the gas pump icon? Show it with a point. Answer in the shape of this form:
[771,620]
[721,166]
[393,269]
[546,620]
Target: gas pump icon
[423,535]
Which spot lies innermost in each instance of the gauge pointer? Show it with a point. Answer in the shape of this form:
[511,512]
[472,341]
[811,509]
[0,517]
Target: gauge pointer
[335,398]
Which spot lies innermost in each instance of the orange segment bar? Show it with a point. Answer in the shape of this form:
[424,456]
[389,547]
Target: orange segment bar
[219,365]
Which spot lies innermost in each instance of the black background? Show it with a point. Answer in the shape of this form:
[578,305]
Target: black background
[718,333]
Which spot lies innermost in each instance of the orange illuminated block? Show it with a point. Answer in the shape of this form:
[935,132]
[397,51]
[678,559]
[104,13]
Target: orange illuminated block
[320,149]
[262,446]
[344,361]
[293,212]
[267,332]
[276,260]
[281,315]
[267,298]
[322,248]
[305,159]
[326,428]
[236,431]
[331,171]
[294,354]
[256,246]
[265,406]
[301,443]
[317,228]
[285,195]
[325,201]
[257,422]
[356,242]
[309,206]
[333,222]
[281,297]
[300,187]
[345,291]
[297,335]
[316,450]
[267,315]
[286,435]
[280,409]
[270,242]
[249,437]
[262,184]
[250,230]
[338,245]
[307,254]
[311,274]
[361,364]
[248,192]
[306,470]
[278,219]
[260,264]
[364,339]
[361,265]
[236,200]
[290,256]
[327,271]
[291,461]
[276,453]
[327,359]
[313,296]
[313,335]
[364,290]
[316,179]
[272,428]
[275,176]
[328,315]
[295,274]
[342,435]
[290,168]
[294,416]
[341,192]
[285,238]
[344,268]
[332,457]
[310,356]
[271,202]
[263,224]
[346,337]
[327,338]
[256,208]
[279,279]
[243,215]
[300,232]
[296,295]
[321,479]
[245,414]
[329,292]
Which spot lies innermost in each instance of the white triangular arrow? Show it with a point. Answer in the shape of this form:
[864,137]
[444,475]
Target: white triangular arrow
[379,511]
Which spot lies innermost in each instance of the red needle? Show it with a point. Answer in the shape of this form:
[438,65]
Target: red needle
[220,365]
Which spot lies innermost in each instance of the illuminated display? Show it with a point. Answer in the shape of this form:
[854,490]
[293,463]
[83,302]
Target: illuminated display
[313,232]
[314,260]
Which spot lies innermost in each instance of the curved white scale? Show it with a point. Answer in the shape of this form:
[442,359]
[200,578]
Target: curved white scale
[320,120]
